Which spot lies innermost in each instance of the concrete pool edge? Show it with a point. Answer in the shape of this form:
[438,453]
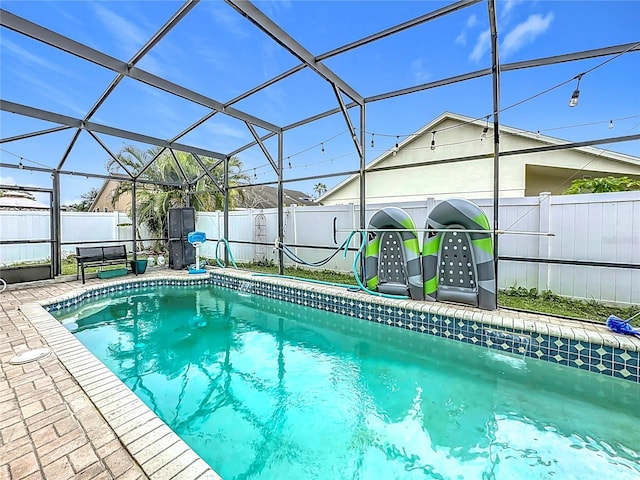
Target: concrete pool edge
[141,432]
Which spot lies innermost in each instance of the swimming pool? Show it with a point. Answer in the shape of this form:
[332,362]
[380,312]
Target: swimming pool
[266,389]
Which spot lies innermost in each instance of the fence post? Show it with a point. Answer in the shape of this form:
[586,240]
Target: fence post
[294,226]
[431,202]
[544,242]
[115,218]
[355,219]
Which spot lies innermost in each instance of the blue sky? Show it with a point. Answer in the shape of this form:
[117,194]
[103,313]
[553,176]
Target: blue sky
[216,52]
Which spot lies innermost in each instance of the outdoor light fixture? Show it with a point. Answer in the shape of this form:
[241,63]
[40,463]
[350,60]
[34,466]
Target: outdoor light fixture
[576,93]
[433,140]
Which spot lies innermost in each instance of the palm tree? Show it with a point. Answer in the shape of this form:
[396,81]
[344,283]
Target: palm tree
[319,188]
[153,201]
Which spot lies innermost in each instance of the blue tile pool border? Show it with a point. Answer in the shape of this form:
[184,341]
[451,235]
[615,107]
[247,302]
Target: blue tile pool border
[590,351]
[583,353]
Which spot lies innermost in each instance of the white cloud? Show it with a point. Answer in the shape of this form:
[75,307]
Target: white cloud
[220,129]
[525,33]
[28,58]
[471,22]
[127,32]
[482,46]
[508,6]
[419,70]
[228,19]
[49,91]
[7,180]
[274,7]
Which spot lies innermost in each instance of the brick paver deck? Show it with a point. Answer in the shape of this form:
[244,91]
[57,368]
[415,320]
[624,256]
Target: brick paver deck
[51,429]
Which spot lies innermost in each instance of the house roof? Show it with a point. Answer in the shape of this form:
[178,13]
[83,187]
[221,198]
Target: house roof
[20,201]
[481,122]
[267,197]
[255,197]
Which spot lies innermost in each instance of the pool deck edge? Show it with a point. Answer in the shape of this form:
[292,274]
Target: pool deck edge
[66,415]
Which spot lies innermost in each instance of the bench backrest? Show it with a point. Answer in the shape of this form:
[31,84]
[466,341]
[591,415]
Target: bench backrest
[99,254]
[115,253]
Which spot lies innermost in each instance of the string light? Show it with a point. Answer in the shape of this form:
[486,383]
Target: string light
[485,129]
[433,140]
[20,165]
[590,124]
[289,161]
[372,144]
[538,134]
[255,174]
[576,93]
[322,148]
[396,148]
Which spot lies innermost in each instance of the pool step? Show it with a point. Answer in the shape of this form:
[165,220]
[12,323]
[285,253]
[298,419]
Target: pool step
[507,341]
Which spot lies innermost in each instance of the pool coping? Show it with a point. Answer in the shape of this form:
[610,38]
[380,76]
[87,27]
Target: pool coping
[142,433]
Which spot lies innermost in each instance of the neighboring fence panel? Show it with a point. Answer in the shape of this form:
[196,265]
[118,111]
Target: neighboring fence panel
[75,227]
[597,228]
[94,227]
[603,228]
[24,225]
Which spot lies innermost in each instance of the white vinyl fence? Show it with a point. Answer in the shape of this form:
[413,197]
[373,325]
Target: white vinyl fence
[75,227]
[586,228]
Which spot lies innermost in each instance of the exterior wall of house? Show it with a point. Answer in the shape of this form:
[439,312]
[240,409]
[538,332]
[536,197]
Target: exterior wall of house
[103,201]
[474,178]
[556,180]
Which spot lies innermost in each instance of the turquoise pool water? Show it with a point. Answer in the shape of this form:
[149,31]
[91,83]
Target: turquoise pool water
[263,389]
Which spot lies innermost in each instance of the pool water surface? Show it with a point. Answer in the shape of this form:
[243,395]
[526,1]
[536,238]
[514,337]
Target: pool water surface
[263,389]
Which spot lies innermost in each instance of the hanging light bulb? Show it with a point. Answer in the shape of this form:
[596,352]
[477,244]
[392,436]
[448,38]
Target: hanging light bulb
[433,140]
[255,174]
[485,129]
[538,134]
[573,101]
[396,148]
[289,160]
[372,144]
[322,148]
[610,124]
[20,165]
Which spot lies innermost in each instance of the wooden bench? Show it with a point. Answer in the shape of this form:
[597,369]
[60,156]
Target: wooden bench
[99,257]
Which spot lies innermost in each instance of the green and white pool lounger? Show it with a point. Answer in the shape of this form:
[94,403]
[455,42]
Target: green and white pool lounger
[458,266]
[392,258]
